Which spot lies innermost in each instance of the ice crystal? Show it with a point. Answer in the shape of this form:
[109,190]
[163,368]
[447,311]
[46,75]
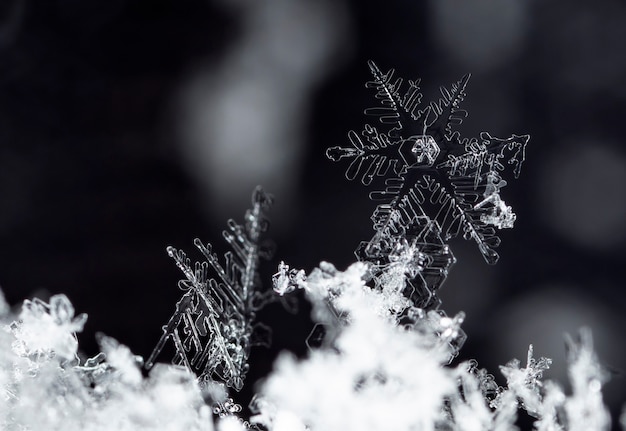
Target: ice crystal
[526,382]
[365,373]
[428,169]
[383,370]
[470,410]
[340,297]
[287,280]
[371,380]
[47,329]
[45,386]
[214,325]
[554,410]
[367,358]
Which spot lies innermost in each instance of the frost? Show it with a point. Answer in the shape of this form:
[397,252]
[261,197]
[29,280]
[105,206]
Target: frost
[554,410]
[45,386]
[126,366]
[214,325]
[501,215]
[340,297]
[370,378]
[367,359]
[526,382]
[470,409]
[363,373]
[287,280]
[47,329]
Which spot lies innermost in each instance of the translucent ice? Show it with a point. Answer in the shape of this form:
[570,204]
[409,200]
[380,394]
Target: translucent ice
[428,170]
[214,324]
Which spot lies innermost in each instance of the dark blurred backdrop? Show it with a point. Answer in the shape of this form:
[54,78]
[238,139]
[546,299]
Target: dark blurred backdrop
[127,126]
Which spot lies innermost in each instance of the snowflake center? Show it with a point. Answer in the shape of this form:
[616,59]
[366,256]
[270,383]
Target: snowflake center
[425,149]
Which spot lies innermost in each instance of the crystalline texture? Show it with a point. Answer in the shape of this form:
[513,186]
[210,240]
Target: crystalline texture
[526,382]
[214,325]
[44,386]
[425,150]
[428,170]
[374,375]
[287,280]
[47,328]
[434,186]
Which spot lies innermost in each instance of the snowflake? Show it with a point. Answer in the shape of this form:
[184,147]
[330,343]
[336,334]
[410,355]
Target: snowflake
[428,169]
[214,325]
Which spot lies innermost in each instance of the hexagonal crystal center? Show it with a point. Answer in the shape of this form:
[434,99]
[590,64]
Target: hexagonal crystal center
[425,149]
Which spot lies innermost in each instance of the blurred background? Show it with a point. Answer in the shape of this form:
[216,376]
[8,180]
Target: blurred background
[127,126]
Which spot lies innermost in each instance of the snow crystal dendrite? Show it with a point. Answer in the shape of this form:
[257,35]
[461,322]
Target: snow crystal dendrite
[214,324]
[424,168]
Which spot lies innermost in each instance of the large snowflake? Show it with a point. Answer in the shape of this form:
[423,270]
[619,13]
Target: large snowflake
[431,184]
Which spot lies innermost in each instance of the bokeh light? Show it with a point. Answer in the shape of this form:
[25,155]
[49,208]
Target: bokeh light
[582,192]
[480,34]
[242,121]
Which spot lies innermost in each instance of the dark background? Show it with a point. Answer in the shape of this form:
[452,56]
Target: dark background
[127,126]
